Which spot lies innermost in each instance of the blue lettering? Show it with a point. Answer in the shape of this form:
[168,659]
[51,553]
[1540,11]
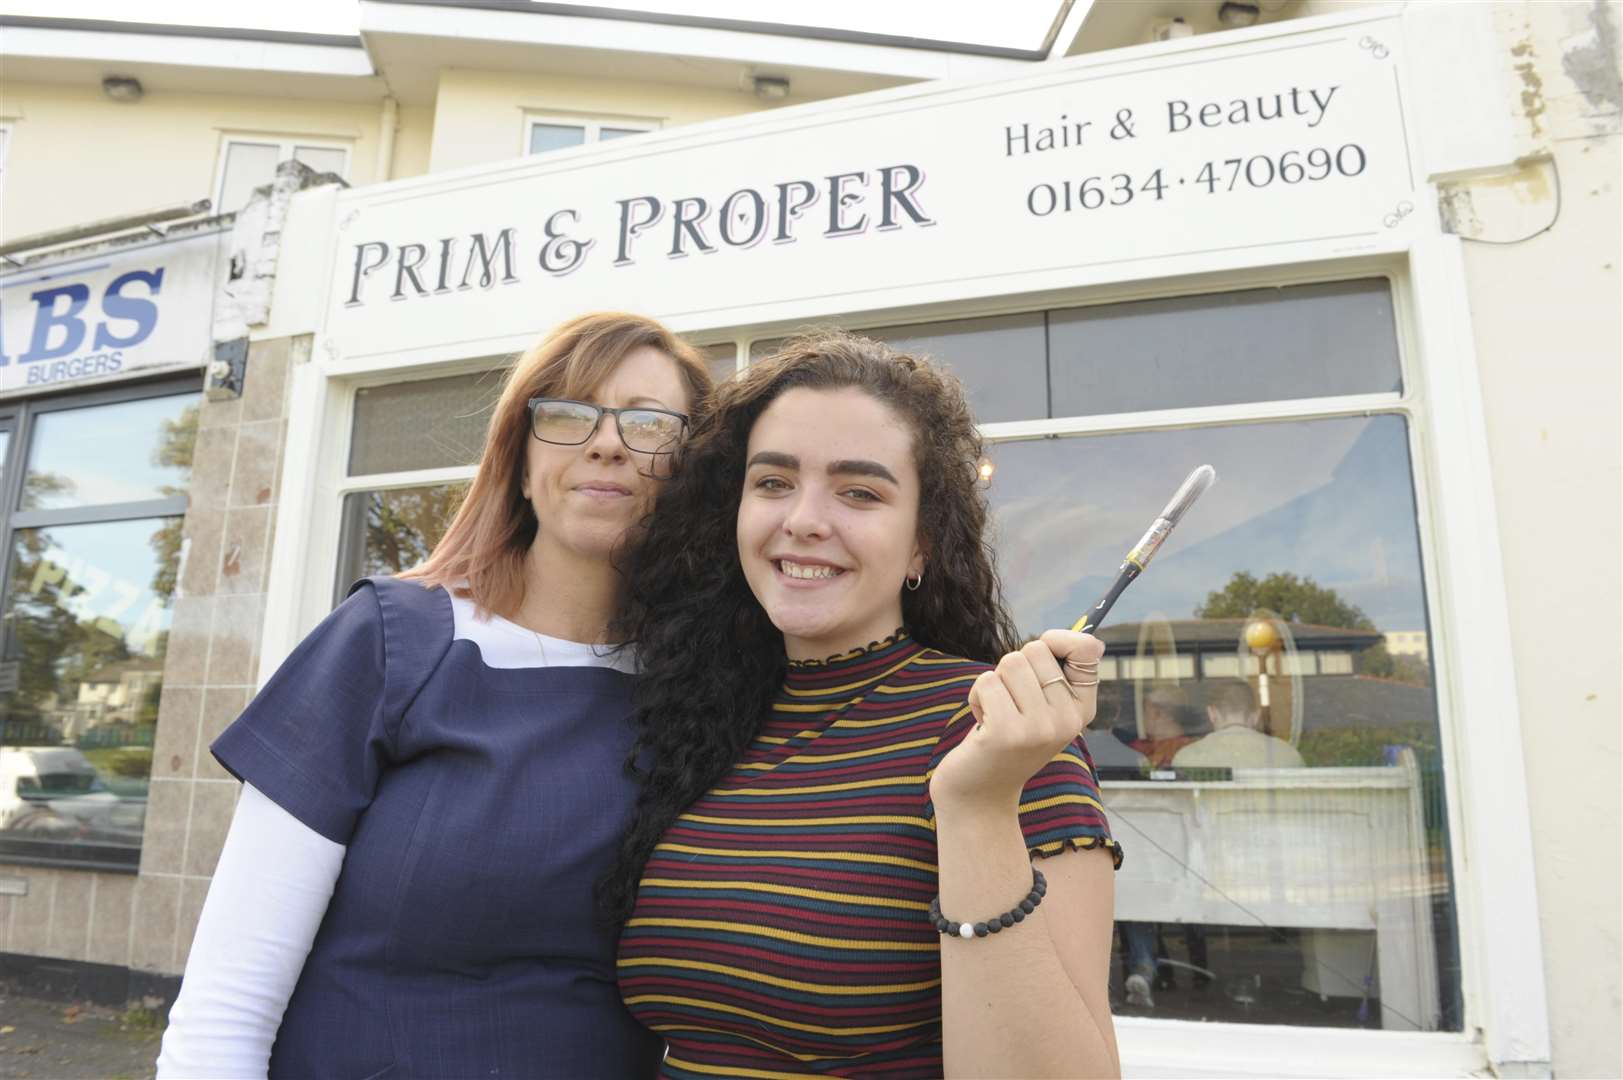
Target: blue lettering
[47,318]
[142,312]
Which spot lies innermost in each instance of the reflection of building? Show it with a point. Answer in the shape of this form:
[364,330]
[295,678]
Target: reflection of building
[1210,648]
[1277,292]
[1408,643]
[116,694]
[1324,662]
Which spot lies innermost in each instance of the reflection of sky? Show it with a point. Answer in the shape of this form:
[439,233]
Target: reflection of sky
[1326,499]
[106,451]
[114,563]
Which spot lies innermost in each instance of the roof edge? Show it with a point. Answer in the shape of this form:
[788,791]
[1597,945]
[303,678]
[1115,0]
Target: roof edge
[283,37]
[818,33]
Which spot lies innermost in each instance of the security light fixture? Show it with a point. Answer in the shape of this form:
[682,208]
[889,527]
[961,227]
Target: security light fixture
[770,87]
[1237,13]
[122,88]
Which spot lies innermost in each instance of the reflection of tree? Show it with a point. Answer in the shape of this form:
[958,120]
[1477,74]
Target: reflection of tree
[177,443]
[1302,600]
[1289,597]
[55,651]
[403,526]
[39,487]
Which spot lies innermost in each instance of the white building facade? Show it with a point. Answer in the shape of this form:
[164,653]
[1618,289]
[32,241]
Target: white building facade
[1364,263]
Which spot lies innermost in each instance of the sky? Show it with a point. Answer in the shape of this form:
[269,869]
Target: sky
[1018,24]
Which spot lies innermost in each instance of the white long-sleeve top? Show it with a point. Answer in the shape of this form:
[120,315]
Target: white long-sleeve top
[270,892]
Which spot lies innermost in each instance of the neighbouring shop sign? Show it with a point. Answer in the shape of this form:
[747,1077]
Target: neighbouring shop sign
[1087,171]
[116,312]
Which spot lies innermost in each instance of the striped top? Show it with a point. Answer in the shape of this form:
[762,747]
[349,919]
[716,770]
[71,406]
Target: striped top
[780,926]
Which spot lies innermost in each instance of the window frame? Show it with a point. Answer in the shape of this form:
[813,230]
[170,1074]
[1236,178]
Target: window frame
[8,131]
[285,146]
[593,123]
[17,417]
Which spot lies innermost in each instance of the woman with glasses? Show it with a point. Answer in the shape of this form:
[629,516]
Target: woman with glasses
[434,780]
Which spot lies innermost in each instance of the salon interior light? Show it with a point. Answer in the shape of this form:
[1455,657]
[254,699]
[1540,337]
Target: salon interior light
[122,88]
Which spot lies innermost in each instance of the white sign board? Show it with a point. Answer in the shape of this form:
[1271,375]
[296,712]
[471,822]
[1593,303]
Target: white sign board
[1090,171]
[117,312]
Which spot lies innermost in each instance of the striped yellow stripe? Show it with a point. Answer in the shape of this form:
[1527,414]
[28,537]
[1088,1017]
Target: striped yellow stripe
[873,819]
[691,1023]
[830,691]
[773,980]
[764,1018]
[818,789]
[913,688]
[852,755]
[734,1071]
[844,944]
[842,856]
[789,890]
[726,1070]
[844,722]
[1070,798]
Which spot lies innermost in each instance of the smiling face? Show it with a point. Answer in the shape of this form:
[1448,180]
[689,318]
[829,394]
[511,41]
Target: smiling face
[828,521]
[586,496]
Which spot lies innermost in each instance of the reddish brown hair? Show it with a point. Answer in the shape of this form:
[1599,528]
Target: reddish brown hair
[495,525]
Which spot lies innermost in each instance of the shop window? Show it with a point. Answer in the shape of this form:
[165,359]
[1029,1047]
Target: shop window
[1305,341]
[94,492]
[401,430]
[393,529]
[1251,890]
[247,163]
[425,424]
[542,134]
[1321,340]
[1002,360]
[721,359]
[1268,737]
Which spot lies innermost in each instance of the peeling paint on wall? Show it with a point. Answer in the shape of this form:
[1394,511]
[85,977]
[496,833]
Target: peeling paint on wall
[1502,207]
[1532,85]
[1590,59]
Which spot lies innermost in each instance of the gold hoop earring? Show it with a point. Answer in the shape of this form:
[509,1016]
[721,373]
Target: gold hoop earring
[914,580]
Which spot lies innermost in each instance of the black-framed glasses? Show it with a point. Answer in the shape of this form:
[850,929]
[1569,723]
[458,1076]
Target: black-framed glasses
[570,423]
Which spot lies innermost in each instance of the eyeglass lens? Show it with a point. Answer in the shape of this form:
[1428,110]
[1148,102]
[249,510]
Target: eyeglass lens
[571,423]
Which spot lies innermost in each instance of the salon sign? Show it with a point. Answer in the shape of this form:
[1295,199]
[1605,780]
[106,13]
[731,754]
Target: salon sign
[115,313]
[1091,170]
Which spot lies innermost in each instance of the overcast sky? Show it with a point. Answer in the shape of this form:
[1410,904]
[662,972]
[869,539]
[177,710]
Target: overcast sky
[1008,23]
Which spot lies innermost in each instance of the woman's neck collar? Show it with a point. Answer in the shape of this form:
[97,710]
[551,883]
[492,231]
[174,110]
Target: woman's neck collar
[567,596]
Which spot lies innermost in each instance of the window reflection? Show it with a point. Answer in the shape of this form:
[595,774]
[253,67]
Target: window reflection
[109,454]
[1268,734]
[86,626]
[396,528]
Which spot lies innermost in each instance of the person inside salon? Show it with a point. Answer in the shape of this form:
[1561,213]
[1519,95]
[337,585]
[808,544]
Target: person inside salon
[1237,739]
[1169,725]
[1108,750]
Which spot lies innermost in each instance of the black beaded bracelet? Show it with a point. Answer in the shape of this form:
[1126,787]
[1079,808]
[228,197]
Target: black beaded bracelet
[943,925]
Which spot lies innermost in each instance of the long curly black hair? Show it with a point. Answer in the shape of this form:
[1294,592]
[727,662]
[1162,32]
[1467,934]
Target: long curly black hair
[711,659]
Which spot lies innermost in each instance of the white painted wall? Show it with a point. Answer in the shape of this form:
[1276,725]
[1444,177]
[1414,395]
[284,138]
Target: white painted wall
[479,115]
[78,157]
[1545,315]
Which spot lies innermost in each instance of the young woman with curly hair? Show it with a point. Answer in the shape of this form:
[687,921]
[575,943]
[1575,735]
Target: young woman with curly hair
[830,747]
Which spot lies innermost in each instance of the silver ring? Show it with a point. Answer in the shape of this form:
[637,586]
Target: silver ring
[1050,682]
[1083,685]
